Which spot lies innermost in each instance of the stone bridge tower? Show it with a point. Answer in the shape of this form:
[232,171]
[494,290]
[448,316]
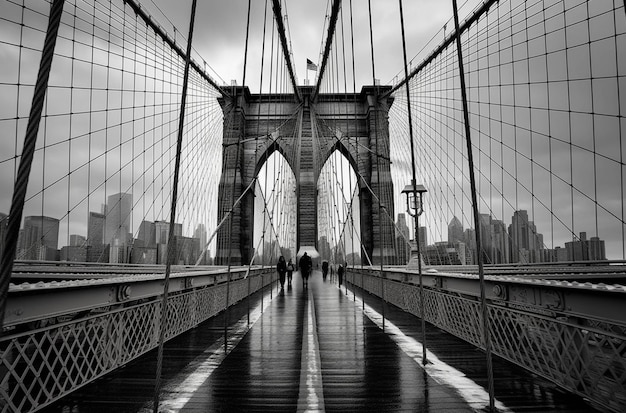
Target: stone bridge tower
[306,133]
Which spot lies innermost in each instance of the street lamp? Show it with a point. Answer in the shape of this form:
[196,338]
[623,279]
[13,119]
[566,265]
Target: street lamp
[415,208]
[414,198]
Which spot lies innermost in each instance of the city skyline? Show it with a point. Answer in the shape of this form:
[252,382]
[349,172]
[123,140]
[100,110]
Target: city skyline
[107,238]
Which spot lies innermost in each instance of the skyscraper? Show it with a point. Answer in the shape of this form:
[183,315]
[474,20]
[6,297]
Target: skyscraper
[585,250]
[201,235]
[469,236]
[147,234]
[486,238]
[117,226]
[423,237]
[77,240]
[41,238]
[403,247]
[162,230]
[455,231]
[525,241]
[95,230]
[500,242]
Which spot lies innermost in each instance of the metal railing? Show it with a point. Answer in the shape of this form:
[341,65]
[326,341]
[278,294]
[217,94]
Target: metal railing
[569,333]
[48,357]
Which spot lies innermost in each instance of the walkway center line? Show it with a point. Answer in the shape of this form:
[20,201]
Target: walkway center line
[311,396]
[474,394]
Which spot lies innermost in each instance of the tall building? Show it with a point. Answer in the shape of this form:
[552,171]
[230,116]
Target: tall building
[469,237]
[95,229]
[97,251]
[323,247]
[525,241]
[443,253]
[162,231]
[147,234]
[74,253]
[486,238]
[40,238]
[597,250]
[455,231]
[500,242]
[77,240]
[118,210]
[187,250]
[201,234]
[585,250]
[403,248]
[423,237]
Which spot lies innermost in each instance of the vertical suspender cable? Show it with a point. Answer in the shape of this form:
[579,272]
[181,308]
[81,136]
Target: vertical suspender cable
[230,225]
[470,158]
[245,56]
[413,181]
[26,161]
[380,228]
[171,248]
[356,132]
[258,126]
[345,89]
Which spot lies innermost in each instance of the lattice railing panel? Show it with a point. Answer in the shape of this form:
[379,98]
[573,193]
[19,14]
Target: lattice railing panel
[41,366]
[584,356]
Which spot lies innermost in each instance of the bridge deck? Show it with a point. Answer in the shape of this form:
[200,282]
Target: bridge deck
[317,350]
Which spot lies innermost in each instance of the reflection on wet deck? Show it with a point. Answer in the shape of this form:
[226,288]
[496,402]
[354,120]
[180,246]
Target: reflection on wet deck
[319,349]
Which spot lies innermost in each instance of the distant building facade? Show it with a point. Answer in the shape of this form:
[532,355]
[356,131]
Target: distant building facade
[403,248]
[40,239]
[117,226]
[585,250]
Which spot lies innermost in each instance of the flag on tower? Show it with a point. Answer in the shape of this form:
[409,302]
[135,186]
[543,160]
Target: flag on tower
[310,65]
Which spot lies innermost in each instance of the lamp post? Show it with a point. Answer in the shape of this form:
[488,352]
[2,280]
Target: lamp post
[415,207]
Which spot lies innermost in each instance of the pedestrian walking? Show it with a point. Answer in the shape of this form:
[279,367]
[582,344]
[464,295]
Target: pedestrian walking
[340,272]
[324,270]
[290,268]
[306,265]
[281,267]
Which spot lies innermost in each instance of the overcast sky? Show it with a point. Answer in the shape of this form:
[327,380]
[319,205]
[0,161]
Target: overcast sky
[219,41]
[221,27]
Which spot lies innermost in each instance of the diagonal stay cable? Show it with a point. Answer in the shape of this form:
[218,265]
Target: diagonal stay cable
[170,239]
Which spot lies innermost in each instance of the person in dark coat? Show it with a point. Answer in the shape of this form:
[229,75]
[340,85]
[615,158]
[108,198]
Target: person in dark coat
[340,272]
[281,267]
[324,270]
[305,268]
[290,268]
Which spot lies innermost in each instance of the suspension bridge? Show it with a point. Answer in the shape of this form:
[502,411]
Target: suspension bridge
[470,207]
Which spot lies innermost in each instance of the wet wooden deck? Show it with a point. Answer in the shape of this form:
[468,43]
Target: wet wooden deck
[312,350]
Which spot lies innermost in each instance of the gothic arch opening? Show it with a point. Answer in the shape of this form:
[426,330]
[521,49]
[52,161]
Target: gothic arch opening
[338,212]
[275,203]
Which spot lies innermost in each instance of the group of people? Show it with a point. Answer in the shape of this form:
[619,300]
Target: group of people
[285,270]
